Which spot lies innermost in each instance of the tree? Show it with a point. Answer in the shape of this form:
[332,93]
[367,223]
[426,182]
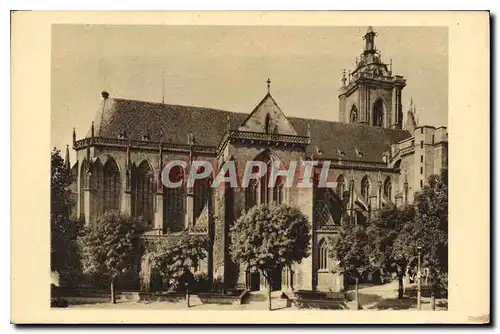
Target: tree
[383,232]
[109,247]
[63,230]
[270,238]
[429,230]
[352,248]
[172,257]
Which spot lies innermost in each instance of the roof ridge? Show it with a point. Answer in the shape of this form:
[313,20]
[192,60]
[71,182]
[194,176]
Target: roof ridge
[339,122]
[177,105]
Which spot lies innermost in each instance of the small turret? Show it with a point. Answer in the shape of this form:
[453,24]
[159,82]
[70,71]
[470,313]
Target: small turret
[67,163]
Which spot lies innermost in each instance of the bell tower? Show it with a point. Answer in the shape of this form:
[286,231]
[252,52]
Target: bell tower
[371,94]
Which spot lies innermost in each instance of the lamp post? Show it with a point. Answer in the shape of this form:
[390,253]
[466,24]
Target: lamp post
[419,275]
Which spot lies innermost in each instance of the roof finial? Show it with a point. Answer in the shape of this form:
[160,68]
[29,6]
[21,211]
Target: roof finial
[390,66]
[268,85]
[74,136]
[349,76]
[343,77]
[92,130]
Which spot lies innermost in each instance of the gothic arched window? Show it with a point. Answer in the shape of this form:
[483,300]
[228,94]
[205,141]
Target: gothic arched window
[174,201]
[365,187]
[378,113]
[323,255]
[143,188]
[251,195]
[95,183]
[264,186]
[353,117]
[83,185]
[278,191]
[340,186]
[202,194]
[111,186]
[267,124]
[388,188]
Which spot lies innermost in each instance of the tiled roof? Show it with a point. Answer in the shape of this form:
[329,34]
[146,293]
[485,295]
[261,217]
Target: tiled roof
[173,123]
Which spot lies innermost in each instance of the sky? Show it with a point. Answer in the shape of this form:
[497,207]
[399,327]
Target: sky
[226,67]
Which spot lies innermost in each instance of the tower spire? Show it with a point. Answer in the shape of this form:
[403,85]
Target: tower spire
[369,38]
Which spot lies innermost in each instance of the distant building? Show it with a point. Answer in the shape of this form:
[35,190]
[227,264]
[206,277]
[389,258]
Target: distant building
[378,157]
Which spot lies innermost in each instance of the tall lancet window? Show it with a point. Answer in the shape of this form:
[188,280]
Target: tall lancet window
[202,194]
[278,190]
[353,117]
[174,199]
[323,258]
[144,192]
[111,186]
[378,113]
[365,187]
[251,195]
[83,186]
[267,124]
[388,188]
[341,188]
[264,187]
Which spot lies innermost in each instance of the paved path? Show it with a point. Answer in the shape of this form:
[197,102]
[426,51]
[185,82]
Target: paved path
[377,297]
[384,297]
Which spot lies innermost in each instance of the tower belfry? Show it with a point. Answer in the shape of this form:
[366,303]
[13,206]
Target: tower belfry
[372,95]
[369,38]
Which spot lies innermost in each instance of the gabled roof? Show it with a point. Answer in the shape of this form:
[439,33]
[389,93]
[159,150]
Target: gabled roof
[268,110]
[173,123]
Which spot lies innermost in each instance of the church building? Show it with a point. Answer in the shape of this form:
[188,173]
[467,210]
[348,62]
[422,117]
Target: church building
[379,155]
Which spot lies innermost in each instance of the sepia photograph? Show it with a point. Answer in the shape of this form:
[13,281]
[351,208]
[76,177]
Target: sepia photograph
[148,212]
[283,168]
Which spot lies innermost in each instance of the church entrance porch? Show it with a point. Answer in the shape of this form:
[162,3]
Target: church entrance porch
[255,281]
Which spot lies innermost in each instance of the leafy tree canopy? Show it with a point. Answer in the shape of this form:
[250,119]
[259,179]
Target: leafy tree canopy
[383,231]
[172,257]
[270,237]
[352,248]
[63,230]
[428,230]
[109,246]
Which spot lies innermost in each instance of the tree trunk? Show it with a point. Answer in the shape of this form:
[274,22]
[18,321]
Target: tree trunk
[269,294]
[113,296]
[357,294]
[400,286]
[433,297]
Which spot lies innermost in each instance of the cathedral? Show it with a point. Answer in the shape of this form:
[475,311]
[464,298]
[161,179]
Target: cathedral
[379,155]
